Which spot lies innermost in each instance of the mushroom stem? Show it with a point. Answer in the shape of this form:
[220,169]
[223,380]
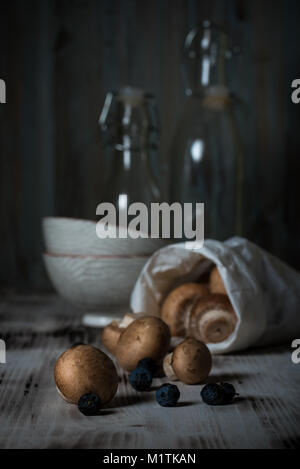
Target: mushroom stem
[168,369]
[110,336]
[129,318]
[212,319]
[216,326]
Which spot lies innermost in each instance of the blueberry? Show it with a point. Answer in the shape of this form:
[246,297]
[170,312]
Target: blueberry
[148,364]
[89,404]
[229,392]
[213,394]
[167,395]
[140,379]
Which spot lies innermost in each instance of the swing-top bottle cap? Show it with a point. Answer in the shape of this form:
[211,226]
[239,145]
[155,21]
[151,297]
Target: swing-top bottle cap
[131,95]
[217,90]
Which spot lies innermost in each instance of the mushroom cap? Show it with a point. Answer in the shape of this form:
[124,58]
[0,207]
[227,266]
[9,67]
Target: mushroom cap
[85,369]
[205,306]
[191,361]
[145,337]
[175,307]
[216,284]
[110,336]
[112,332]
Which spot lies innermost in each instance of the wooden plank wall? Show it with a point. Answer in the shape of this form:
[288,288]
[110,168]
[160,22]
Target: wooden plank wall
[59,58]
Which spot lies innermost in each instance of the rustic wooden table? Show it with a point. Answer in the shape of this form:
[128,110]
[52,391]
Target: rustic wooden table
[38,328]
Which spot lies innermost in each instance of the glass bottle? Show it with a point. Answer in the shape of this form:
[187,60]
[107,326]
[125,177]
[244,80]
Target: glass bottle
[206,153]
[129,131]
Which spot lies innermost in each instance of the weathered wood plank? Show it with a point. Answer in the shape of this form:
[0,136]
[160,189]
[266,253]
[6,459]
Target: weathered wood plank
[32,415]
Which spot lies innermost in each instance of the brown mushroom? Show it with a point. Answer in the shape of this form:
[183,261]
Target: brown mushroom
[85,369]
[175,308]
[145,337]
[190,362]
[112,332]
[212,319]
[216,284]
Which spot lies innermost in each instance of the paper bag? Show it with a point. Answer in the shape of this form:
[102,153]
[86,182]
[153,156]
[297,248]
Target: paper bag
[264,291]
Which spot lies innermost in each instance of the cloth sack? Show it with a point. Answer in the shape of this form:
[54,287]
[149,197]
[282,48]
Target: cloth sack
[264,291]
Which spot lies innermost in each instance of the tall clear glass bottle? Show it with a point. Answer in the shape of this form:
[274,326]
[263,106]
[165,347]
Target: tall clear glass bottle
[206,153]
[129,131]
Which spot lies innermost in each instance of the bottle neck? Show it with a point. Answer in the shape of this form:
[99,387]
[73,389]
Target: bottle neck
[209,80]
[129,159]
[204,58]
[131,174]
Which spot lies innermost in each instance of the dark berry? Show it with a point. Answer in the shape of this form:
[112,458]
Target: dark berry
[89,404]
[140,379]
[213,394]
[229,392]
[167,395]
[148,364]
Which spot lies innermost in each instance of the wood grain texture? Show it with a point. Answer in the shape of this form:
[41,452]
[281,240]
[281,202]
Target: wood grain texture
[32,415]
[60,58]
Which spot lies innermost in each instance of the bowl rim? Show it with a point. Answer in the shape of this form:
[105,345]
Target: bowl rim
[61,217]
[95,222]
[97,256]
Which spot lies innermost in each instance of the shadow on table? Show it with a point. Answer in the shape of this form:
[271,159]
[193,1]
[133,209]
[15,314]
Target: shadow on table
[223,377]
[125,401]
[267,350]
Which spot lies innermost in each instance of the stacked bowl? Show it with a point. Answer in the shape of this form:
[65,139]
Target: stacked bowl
[95,274]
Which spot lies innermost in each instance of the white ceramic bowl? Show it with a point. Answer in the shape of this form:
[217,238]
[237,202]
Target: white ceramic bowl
[94,283]
[75,236]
